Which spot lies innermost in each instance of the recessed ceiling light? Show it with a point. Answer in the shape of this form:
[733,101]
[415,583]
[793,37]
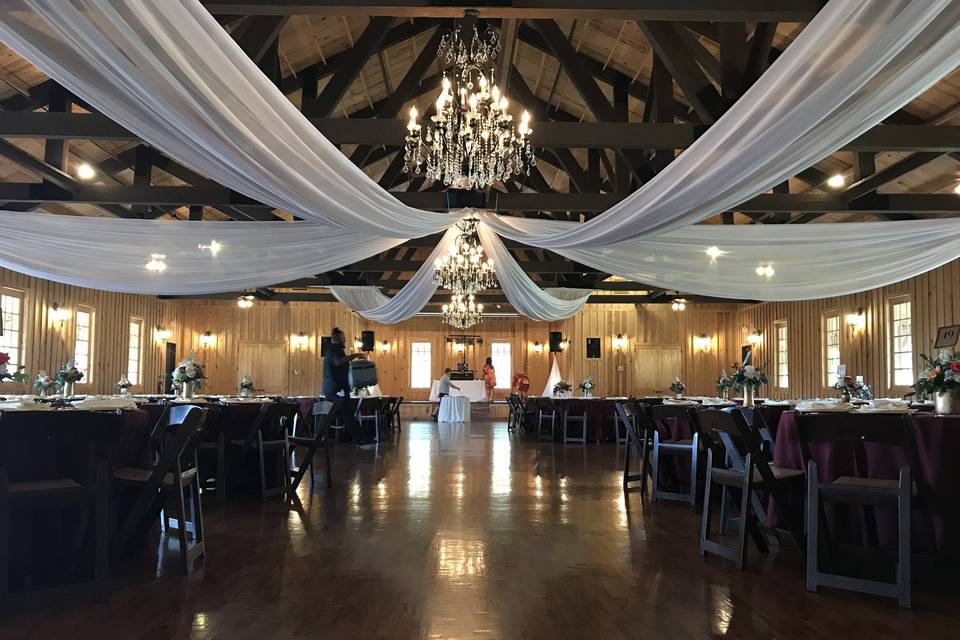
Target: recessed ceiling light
[85,171]
[836,181]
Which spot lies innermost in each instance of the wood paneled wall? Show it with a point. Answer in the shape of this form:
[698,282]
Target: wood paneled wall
[46,344]
[935,298]
[615,373]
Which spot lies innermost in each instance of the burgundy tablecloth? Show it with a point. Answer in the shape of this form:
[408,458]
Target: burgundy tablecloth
[600,416]
[236,418]
[937,437]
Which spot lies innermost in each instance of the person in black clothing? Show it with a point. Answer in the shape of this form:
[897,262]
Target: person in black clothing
[336,379]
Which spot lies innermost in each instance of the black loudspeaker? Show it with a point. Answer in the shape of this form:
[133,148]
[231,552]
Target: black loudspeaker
[324,345]
[556,337]
[367,340]
[593,347]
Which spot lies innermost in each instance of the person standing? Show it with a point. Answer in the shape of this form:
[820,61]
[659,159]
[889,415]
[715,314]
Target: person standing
[443,389]
[489,379]
[336,381]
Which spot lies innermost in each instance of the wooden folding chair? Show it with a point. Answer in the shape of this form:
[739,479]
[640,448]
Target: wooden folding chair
[80,481]
[848,434]
[163,484]
[212,452]
[322,413]
[636,416]
[546,410]
[268,434]
[668,418]
[739,464]
[575,412]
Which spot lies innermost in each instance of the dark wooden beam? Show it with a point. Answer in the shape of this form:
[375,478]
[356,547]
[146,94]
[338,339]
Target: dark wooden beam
[257,34]
[350,67]
[672,10]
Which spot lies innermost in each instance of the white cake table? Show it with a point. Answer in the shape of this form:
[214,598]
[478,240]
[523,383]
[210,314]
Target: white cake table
[454,409]
[473,389]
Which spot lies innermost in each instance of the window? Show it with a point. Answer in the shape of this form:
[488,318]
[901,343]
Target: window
[11,303]
[783,378]
[501,364]
[831,347]
[420,377]
[83,343]
[901,344]
[134,350]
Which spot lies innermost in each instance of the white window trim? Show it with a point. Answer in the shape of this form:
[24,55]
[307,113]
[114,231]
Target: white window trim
[139,377]
[890,302]
[824,372]
[88,309]
[505,379]
[777,324]
[21,342]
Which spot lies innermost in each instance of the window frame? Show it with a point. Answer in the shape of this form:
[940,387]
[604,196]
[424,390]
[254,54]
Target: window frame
[91,332]
[891,302]
[826,373]
[139,375]
[21,296]
[781,367]
[501,377]
[413,359]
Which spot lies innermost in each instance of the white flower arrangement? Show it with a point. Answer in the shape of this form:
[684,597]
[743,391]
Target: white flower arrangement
[189,370]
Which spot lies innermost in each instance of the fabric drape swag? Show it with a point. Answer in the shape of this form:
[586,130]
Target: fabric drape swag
[167,71]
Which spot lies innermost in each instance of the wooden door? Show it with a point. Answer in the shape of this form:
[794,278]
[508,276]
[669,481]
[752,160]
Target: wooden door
[656,367]
[266,363]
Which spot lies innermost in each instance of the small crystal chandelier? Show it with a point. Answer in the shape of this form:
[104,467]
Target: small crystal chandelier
[462,312]
[471,141]
[463,270]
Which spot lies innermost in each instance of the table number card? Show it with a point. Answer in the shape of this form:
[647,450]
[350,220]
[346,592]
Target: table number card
[947,337]
[841,370]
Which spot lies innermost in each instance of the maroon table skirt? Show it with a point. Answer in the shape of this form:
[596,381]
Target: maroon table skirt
[936,436]
[237,419]
[600,416]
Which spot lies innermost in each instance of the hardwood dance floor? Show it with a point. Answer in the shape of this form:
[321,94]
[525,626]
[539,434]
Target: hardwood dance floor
[466,532]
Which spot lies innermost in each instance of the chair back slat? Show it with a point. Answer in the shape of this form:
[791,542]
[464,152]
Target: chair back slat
[667,419]
[770,416]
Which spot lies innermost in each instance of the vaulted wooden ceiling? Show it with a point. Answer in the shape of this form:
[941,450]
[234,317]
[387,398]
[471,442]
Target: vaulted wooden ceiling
[616,88]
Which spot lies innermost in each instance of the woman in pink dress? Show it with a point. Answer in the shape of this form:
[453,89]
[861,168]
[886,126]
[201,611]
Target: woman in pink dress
[489,378]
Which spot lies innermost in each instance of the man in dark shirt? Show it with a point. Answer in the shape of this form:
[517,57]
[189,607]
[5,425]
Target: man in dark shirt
[336,379]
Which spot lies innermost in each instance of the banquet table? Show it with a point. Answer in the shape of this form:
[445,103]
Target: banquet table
[237,417]
[454,409]
[936,437]
[473,389]
[601,415]
[51,444]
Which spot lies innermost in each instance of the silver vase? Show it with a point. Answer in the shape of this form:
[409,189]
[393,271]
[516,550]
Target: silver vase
[947,402]
[186,390]
[68,389]
[748,396]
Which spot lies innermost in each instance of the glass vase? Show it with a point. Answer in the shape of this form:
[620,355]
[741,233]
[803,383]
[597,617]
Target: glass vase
[186,390]
[748,396]
[947,402]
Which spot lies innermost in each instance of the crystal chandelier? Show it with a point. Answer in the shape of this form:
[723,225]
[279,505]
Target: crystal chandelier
[462,312]
[463,270]
[471,141]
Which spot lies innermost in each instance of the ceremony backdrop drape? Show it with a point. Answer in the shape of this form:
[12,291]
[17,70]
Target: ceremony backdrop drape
[167,71]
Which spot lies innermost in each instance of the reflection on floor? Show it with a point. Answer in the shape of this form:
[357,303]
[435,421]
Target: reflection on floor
[465,531]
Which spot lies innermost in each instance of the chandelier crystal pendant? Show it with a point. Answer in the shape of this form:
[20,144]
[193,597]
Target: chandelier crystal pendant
[462,312]
[471,141]
[463,270]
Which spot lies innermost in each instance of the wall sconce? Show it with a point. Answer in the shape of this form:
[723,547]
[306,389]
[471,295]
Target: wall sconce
[160,334]
[619,342]
[58,314]
[755,336]
[208,339]
[299,341]
[536,347]
[679,304]
[564,344]
[385,346]
[702,342]
[357,344]
[245,302]
[857,321]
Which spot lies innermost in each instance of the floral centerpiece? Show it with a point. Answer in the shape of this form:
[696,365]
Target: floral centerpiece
[44,383]
[562,388]
[246,387]
[747,378]
[18,376]
[123,385]
[724,383]
[67,376]
[850,387]
[678,387]
[586,387]
[188,376]
[941,380]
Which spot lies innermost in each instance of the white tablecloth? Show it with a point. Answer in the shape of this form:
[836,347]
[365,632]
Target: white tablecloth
[472,389]
[454,409]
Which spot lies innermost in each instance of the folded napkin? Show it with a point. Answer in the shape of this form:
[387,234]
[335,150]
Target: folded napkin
[679,402]
[25,404]
[779,403]
[105,404]
[885,405]
[717,402]
[824,405]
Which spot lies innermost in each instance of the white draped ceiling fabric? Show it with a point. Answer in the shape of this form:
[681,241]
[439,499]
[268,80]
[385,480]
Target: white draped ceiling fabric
[167,71]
